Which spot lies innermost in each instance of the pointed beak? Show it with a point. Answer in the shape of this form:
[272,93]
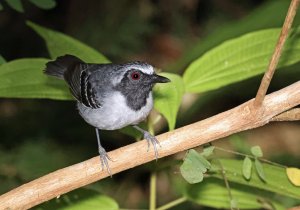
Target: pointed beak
[159,79]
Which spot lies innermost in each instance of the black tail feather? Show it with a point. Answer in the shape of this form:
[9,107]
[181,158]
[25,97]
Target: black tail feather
[58,67]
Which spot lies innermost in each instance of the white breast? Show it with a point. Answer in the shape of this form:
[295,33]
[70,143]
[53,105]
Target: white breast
[114,113]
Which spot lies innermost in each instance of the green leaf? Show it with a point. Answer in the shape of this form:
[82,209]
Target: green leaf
[2,60]
[208,151]
[239,59]
[81,199]
[24,78]
[255,20]
[193,167]
[260,169]
[277,178]
[168,96]
[213,193]
[44,4]
[59,44]
[1,7]
[294,175]
[16,5]
[256,151]
[191,173]
[247,167]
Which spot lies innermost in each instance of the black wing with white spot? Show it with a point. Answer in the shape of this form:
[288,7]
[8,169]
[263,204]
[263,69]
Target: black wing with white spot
[81,86]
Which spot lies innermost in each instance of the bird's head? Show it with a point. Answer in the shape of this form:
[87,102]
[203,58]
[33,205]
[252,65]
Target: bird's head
[137,81]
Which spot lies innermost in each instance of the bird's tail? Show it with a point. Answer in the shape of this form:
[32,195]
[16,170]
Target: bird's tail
[58,67]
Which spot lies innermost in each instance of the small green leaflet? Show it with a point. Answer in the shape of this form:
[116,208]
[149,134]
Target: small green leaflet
[191,173]
[256,151]
[194,166]
[260,169]
[208,151]
[247,168]
[294,175]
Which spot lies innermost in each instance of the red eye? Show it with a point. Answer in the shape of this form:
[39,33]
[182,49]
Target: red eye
[135,75]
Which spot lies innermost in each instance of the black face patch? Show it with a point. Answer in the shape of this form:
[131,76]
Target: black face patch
[136,87]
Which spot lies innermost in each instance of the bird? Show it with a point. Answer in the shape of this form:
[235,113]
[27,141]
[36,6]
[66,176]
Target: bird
[109,96]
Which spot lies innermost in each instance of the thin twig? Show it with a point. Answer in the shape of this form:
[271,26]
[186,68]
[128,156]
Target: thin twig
[219,126]
[223,172]
[251,156]
[173,203]
[261,93]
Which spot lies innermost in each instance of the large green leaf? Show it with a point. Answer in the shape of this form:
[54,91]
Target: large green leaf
[255,20]
[276,178]
[168,96]
[24,78]
[60,44]
[16,5]
[213,193]
[239,59]
[2,60]
[81,199]
[44,4]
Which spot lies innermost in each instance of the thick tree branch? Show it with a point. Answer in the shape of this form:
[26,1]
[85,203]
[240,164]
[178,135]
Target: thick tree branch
[266,80]
[232,121]
[290,115]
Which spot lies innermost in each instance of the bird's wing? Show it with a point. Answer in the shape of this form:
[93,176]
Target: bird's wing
[78,78]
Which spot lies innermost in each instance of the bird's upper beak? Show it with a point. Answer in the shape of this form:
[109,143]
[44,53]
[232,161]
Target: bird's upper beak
[159,79]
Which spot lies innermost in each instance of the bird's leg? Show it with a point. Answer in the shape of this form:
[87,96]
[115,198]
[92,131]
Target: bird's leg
[150,139]
[103,155]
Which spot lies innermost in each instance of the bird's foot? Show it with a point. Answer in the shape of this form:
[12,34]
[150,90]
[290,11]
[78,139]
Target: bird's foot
[151,139]
[104,159]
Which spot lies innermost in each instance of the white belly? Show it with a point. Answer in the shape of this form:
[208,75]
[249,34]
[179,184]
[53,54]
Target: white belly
[114,113]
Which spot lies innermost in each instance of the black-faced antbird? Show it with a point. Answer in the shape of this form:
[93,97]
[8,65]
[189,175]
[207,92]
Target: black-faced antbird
[109,96]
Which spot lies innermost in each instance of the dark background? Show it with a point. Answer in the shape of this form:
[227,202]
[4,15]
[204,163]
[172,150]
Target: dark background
[39,136]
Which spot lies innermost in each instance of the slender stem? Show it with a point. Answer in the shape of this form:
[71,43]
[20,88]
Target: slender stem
[153,174]
[261,93]
[251,156]
[226,183]
[173,203]
[153,191]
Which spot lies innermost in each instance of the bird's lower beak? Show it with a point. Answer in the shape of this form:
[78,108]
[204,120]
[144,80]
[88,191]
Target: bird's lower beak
[159,79]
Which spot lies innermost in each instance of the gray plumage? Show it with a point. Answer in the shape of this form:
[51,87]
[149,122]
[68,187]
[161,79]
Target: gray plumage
[109,96]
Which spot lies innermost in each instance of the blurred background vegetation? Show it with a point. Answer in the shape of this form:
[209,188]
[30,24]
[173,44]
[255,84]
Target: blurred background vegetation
[39,136]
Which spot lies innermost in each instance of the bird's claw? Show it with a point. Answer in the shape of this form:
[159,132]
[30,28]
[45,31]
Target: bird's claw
[104,160]
[151,139]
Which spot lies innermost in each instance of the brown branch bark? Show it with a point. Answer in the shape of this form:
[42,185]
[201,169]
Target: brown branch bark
[266,80]
[290,115]
[232,121]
